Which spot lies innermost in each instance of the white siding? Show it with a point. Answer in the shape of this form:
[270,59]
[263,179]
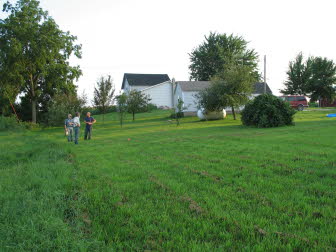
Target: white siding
[138,88]
[160,94]
[127,87]
[190,102]
[177,94]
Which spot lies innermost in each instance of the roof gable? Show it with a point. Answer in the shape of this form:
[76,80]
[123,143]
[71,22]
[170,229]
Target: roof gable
[259,88]
[144,79]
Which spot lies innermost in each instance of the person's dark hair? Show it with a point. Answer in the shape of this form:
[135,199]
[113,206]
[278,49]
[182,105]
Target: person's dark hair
[77,114]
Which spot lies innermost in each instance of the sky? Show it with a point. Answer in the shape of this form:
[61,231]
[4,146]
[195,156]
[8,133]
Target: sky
[155,36]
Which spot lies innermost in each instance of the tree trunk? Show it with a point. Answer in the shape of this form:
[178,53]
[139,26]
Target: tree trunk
[104,118]
[233,113]
[33,99]
[133,116]
[34,103]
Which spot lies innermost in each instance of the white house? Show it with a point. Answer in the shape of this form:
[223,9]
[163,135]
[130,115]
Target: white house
[165,93]
[186,90]
[132,81]
[161,94]
[157,86]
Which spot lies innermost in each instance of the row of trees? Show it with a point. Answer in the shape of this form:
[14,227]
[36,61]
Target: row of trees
[232,69]
[34,64]
[315,77]
[132,102]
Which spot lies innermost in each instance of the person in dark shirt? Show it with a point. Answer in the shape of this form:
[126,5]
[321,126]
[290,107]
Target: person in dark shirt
[88,120]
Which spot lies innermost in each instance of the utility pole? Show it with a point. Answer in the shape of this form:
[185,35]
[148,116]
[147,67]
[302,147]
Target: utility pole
[173,88]
[265,74]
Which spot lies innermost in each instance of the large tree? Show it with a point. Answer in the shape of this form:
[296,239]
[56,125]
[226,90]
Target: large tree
[321,84]
[36,53]
[231,87]
[103,94]
[217,52]
[314,77]
[298,76]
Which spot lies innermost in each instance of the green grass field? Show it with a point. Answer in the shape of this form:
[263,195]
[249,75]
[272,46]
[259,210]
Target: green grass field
[200,186]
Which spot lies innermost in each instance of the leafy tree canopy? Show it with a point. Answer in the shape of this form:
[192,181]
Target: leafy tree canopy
[315,77]
[34,53]
[321,84]
[298,76]
[217,52]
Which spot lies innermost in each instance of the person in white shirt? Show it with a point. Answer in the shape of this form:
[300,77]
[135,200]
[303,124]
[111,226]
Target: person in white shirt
[76,124]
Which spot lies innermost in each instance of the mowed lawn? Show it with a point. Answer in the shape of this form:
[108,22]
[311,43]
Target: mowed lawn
[153,186]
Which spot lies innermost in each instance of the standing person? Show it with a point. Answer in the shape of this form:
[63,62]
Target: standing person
[88,120]
[68,127]
[76,123]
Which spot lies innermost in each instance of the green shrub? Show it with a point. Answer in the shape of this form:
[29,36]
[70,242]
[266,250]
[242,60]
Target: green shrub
[313,104]
[151,107]
[9,123]
[61,105]
[267,111]
[29,125]
[95,111]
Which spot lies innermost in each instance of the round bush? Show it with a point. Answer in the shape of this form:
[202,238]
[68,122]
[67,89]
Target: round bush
[267,111]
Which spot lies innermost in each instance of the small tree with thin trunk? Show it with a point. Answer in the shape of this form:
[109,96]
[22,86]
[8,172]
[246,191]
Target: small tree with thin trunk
[229,88]
[179,111]
[121,107]
[137,102]
[234,86]
[103,94]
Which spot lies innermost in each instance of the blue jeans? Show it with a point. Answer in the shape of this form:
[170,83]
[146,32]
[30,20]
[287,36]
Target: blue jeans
[87,133]
[70,133]
[76,129]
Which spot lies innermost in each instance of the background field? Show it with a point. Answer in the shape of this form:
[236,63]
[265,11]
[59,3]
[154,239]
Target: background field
[200,186]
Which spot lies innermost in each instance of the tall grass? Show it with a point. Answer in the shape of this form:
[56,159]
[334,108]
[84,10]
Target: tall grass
[203,186]
[40,198]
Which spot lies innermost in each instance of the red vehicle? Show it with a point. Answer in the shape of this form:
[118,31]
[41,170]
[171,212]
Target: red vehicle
[296,101]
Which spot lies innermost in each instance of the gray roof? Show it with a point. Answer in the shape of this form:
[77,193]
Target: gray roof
[193,85]
[190,86]
[259,88]
[144,79]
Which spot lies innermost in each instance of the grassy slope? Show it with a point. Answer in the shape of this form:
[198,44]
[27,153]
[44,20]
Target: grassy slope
[202,185]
